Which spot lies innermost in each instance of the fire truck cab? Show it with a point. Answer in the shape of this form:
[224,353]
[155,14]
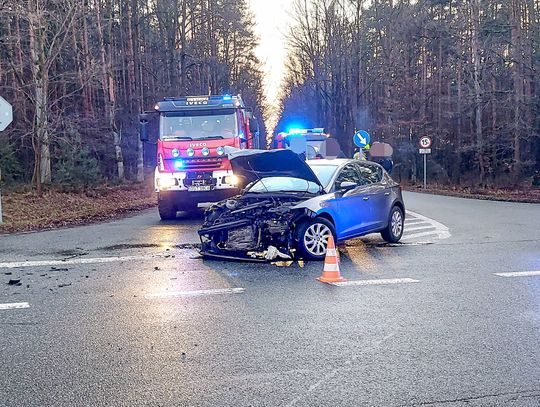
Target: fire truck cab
[191,134]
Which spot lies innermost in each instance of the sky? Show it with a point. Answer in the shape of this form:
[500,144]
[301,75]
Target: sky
[272,23]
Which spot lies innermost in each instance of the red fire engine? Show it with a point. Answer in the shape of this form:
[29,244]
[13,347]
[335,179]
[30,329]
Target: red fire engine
[192,133]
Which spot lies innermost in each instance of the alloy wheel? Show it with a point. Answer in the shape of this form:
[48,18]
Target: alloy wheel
[316,239]
[397,223]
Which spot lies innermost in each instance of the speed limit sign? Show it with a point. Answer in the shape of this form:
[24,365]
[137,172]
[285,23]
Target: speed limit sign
[425,142]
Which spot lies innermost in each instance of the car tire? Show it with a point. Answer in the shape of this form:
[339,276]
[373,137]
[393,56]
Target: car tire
[312,238]
[166,207]
[396,223]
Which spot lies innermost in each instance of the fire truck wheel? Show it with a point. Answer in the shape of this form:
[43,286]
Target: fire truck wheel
[166,208]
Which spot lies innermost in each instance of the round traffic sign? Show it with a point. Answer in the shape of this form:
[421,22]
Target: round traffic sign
[425,142]
[361,138]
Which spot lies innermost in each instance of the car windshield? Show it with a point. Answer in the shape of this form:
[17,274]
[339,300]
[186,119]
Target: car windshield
[218,124]
[324,172]
[283,184]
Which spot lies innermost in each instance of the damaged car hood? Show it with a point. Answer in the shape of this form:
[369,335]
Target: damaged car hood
[253,165]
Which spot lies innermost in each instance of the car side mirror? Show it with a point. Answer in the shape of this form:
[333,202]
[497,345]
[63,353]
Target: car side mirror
[347,186]
[253,125]
[144,119]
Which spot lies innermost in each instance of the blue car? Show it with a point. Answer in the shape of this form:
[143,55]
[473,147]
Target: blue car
[289,207]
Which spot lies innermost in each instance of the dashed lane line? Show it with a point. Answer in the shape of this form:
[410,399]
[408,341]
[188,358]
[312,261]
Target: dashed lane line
[94,260]
[519,274]
[196,293]
[14,305]
[381,281]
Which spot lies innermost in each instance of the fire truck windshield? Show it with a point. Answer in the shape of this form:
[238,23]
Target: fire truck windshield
[198,125]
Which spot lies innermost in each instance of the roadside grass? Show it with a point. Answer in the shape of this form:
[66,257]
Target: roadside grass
[24,210]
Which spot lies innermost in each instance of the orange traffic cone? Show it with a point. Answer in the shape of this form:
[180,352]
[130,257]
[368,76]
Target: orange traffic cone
[331,272]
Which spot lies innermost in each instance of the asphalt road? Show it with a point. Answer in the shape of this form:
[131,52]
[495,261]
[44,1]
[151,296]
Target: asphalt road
[127,314]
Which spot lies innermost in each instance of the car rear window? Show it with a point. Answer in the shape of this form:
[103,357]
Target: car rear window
[371,173]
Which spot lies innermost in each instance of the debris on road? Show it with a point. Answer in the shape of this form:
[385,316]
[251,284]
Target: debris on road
[14,281]
[283,263]
[64,285]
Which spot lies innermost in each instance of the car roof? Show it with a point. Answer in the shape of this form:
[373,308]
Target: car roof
[336,162]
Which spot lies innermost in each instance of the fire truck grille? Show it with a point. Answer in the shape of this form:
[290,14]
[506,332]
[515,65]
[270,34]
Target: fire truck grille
[202,163]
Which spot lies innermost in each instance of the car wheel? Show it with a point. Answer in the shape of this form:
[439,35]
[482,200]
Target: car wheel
[167,209]
[313,238]
[394,230]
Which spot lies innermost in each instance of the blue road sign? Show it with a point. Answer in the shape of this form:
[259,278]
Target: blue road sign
[361,138]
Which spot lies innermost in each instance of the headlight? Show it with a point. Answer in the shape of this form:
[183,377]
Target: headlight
[190,152]
[175,153]
[220,150]
[232,180]
[205,151]
[164,183]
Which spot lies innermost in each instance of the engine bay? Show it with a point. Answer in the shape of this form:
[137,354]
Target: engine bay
[252,227]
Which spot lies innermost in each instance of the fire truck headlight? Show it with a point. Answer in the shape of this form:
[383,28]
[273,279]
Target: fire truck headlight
[166,182]
[175,153]
[220,150]
[205,151]
[232,180]
[190,152]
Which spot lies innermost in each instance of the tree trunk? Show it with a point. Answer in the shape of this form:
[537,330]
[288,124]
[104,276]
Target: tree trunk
[42,154]
[517,76]
[475,39]
[108,88]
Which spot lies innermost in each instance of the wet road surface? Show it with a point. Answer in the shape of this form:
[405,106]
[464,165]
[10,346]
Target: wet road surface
[126,313]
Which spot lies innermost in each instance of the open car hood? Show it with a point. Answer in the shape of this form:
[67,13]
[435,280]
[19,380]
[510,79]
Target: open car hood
[252,165]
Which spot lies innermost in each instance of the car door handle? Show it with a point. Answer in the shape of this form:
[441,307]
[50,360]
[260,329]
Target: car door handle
[387,193]
[366,198]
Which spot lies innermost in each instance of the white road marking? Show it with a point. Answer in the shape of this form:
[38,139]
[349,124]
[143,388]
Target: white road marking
[414,229]
[419,223]
[413,221]
[382,281]
[94,260]
[196,293]
[14,305]
[519,274]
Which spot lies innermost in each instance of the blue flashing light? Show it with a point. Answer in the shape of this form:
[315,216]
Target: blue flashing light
[227,98]
[178,164]
[296,131]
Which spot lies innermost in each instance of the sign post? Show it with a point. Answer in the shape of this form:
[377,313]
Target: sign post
[6,117]
[425,149]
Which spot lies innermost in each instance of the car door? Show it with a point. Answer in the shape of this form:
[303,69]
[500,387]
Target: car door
[376,194]
[349,210]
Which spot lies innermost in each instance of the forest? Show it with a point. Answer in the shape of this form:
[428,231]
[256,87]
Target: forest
[465,72]
[78,72]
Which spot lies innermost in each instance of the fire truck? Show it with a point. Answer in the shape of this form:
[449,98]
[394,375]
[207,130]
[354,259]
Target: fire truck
[312,143]
[191,134]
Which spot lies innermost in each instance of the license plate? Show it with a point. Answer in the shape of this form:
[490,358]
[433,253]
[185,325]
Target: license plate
[199,188]
[198,182]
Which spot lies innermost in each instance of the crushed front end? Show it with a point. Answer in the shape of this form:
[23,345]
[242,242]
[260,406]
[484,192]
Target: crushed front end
[252,227]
